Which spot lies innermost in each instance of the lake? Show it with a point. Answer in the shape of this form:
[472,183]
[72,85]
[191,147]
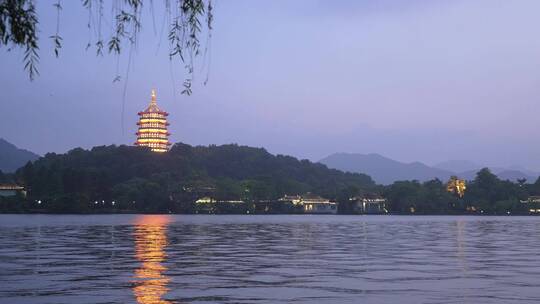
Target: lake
[268,259]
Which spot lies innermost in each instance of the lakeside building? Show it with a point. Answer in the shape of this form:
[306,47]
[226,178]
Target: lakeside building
[280,206]
[292,199]
[210,205]
[153,132]
[11,190]
[369,205]
[533,203]
[531,199]
[199,190]
[310,204]
[317,205]
[289,204]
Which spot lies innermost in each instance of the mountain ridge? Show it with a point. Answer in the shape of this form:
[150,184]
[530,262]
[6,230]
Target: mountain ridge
[385,170]
[382,169]
[12,157]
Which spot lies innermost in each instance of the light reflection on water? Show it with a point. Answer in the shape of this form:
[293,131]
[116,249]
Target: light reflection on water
[268,259]
[150,241]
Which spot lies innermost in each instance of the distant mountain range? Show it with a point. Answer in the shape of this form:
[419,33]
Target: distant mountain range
[12,158]
[385,171]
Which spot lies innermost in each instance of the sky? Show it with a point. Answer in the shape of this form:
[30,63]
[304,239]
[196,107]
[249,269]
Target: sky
[419,80]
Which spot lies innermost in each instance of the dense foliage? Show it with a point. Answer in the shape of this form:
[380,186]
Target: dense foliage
[139,180]
[486,194]
[133,179]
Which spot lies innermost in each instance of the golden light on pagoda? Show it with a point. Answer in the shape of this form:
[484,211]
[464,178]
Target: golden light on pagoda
[457,186]
[153,124]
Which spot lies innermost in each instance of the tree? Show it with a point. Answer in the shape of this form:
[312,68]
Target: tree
[19,20]
[435,197]
[485,186]
[491,195]
[403,195]
[535,188]
[456,186]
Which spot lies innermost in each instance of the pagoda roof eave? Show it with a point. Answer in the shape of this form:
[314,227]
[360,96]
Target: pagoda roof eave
[153,112]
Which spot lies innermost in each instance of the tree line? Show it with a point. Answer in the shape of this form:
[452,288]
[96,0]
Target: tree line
[137,179]
[134,179]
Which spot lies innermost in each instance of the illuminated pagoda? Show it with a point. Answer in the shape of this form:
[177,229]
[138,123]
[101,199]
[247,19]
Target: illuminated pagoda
[153,124]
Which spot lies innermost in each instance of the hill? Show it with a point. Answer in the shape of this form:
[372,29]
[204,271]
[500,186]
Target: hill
[152,181]
[384,170]
[12,158]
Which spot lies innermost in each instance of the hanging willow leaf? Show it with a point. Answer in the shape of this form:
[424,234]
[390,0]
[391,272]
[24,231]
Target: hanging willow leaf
[57,40]
[18,23]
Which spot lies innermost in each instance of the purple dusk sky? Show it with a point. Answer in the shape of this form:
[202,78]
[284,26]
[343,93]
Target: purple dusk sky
[413,80]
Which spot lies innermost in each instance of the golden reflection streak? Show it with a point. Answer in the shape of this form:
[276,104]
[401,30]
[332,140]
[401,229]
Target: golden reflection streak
[150,241]
[461,243]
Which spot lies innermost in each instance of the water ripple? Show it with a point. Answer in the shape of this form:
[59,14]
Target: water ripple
[268,259]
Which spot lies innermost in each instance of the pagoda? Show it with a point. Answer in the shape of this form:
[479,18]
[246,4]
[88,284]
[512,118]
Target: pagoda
[153,124]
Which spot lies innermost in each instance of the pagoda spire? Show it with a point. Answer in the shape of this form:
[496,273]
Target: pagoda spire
[153,100]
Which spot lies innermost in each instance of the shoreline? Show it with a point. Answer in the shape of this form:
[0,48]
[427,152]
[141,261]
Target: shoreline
[264,214]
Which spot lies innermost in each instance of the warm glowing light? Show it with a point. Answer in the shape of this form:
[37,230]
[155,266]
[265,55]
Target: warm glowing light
[146,120]
[457,186]
[164,131]
[150,242]
[152,140]
[152,130]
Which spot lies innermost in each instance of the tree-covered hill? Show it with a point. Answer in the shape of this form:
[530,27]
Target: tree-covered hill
[152,181]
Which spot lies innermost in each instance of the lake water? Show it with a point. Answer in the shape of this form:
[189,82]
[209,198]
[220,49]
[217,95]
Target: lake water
[268,259]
